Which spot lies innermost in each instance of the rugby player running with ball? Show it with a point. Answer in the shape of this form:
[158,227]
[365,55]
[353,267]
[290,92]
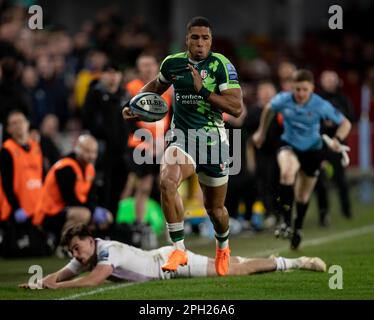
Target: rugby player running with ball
[205,85]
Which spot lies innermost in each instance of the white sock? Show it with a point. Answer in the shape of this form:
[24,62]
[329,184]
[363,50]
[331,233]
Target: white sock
[243,260]
[286,264]
[179,245]
[223,244]
[173,228]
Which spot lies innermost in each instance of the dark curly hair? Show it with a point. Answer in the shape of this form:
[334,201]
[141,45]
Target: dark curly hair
[198,22]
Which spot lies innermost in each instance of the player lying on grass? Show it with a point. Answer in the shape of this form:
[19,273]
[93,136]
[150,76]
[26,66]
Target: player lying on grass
[115,260]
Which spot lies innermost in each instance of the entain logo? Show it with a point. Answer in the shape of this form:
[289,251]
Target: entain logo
[188,98]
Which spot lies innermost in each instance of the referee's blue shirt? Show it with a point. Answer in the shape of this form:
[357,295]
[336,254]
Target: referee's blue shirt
[302,122]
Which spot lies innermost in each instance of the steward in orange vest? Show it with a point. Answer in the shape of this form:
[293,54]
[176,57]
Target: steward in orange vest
[21,168]
[68,186]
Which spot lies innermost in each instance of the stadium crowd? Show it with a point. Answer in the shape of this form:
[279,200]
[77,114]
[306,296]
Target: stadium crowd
[61,95]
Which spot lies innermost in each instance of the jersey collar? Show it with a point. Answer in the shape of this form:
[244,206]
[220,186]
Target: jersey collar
[304,104]
[198,62]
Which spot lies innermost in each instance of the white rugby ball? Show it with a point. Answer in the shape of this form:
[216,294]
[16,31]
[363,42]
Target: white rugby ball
[148,106]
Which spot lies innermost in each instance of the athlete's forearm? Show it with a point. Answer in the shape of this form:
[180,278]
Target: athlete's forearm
[85,281]
[60,275]
[343,129]
[229,103]
[53,277]
[96,277]
[155,86]
[266,117]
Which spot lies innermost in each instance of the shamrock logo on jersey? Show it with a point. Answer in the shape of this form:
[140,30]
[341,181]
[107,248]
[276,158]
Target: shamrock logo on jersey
[213,66]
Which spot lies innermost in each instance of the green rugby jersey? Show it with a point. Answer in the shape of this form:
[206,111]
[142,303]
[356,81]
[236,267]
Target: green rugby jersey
[190,109]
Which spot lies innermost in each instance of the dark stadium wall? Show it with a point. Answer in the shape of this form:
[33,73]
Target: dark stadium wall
[284,19]
[71,14]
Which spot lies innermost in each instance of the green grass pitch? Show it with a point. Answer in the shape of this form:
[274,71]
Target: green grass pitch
[349,244]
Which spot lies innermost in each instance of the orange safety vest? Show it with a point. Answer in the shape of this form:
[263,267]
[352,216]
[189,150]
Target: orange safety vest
[51,202]
[4,204]
[27,177]
[157,128]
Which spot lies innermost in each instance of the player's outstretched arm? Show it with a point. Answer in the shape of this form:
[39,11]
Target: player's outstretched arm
[51,279]
[343,129]
[266,116]
[96,277]
[335,143]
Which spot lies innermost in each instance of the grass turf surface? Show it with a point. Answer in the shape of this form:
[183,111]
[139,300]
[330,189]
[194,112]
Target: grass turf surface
[354,252]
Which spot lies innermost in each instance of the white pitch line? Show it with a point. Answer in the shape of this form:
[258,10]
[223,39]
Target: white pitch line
[99,290]
[306,243]
[318,241]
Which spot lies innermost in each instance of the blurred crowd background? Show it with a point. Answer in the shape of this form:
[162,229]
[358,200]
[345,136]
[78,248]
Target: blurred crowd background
[49,75]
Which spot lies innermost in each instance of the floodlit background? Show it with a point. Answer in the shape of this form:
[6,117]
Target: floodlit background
[51,71]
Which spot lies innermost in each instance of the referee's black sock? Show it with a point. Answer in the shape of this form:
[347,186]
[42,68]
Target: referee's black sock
[301,209]
[286,198]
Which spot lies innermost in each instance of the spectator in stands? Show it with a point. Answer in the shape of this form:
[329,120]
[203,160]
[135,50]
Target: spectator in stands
[285,71]
[9,29]
[95,63]
[21,168]
[11,93]
[330,85]
[50,140]
[29,81]
[141,177]
[266,167]
[102,117]
[51,92]
[240,186]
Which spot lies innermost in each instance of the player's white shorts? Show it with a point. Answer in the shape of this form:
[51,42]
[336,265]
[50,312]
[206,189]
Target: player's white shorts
[197,265]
